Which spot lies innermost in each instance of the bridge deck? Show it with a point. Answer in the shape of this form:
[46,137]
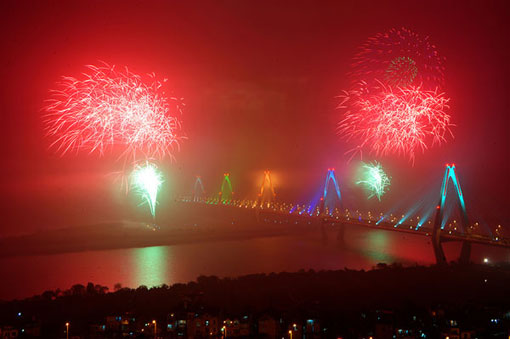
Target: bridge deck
[446,235]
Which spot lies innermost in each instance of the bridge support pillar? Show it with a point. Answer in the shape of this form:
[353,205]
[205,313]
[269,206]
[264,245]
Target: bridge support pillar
[257,214]
[340,237]
[465,253]
[324,232]
[438,248]
[464,257]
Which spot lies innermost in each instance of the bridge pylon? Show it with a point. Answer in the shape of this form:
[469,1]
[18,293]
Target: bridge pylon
[440,221]
[198,189]
[266,195]
[329,200]
[328,203]
[226,193]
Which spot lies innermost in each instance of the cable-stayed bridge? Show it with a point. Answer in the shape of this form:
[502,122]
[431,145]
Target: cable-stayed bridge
[330,211]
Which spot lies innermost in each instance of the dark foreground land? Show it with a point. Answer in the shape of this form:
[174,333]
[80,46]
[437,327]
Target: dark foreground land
[386,302]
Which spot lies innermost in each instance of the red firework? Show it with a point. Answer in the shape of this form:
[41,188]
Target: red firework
[110,108]
[394,121]
[400,57]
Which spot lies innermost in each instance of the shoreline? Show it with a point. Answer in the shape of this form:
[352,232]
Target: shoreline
[136,234]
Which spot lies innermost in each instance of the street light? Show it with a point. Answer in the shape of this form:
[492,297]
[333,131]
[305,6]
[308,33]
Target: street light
[67,330]
[155,328]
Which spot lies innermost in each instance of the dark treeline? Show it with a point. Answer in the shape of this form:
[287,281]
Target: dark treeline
[468,293]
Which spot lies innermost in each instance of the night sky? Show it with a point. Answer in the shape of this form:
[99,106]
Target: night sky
[260,81]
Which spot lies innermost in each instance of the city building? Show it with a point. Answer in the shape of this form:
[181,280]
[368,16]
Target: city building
[268,326]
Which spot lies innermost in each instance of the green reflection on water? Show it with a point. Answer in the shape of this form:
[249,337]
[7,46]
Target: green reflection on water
[151,265]
[378,246]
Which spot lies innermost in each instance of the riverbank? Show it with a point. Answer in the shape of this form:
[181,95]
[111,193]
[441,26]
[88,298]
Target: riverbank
[190,223]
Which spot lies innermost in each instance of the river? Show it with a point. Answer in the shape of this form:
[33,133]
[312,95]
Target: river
[24,276]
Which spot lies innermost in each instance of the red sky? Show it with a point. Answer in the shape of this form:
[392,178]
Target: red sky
[259,79]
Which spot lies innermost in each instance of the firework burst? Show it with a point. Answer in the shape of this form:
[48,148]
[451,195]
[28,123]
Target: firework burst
[114,109]
[401,72]
[374,180]
[400,57]
[147,181]
[399,121]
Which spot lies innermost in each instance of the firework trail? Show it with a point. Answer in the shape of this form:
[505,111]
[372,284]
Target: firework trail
[110,109]
[399,57]
[398,121]
[374,179]
[147,181]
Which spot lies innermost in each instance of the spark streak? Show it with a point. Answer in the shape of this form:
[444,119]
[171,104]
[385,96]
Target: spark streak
[374,179]
[399,121]
[147,181]
[400,56]
[114,109]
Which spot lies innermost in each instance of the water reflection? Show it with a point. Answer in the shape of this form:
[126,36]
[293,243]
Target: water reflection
[150,265]
[25,276]
[377,246]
